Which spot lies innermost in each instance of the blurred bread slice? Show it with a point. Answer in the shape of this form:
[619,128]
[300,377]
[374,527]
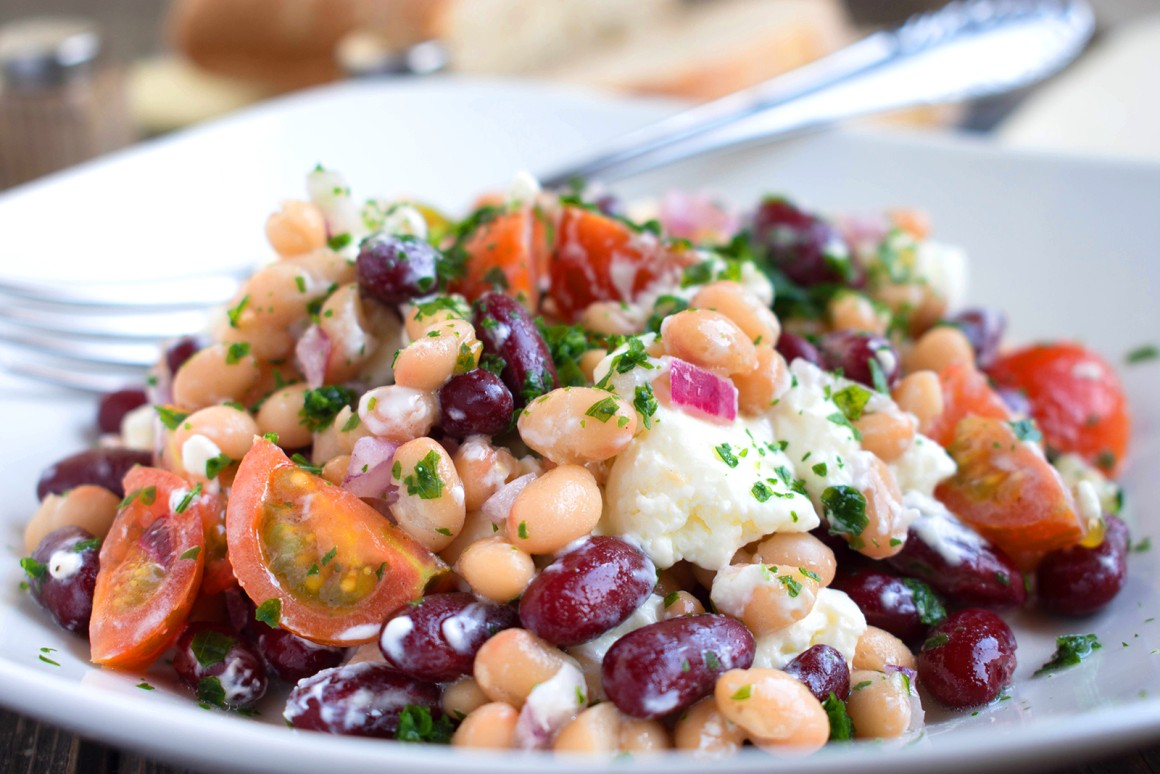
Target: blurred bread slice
[713,48]
[292,43]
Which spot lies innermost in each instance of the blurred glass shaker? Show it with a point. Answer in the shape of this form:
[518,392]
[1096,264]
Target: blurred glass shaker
[60,103]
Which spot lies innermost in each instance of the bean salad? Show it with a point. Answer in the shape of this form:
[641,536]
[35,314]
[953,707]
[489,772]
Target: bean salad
[572,475]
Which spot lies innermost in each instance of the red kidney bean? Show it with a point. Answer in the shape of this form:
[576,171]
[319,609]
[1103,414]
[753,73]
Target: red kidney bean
[984,328]
[475,403]
[363,699]
[960,564]
[791,346]
[219,666]
[287,656]
[437,637]
[664,667]
[905,607]
[115,405]
[181,350]
[968,658]
[1081,581]
[823,670]
[808,249]
[591,588]
[394,269]
[851,353]
[62,574]
[507,330]
[103,467]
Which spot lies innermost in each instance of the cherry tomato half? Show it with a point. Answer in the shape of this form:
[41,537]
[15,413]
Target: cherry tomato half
[506,253]
[965,393]
[329,565]
[1076,399]
[1007,490]
[151,567]
[598,258]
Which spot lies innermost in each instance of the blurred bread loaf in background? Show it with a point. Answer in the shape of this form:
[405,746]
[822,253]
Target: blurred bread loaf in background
[684,48]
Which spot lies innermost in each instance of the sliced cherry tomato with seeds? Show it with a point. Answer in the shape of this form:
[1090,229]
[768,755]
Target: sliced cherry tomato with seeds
[326,563]
[1007,490]
[151,568]
[1075,397]
[965,392]
[506,254]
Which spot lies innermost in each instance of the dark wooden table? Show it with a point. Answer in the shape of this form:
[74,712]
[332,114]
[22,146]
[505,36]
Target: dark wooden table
[30,747]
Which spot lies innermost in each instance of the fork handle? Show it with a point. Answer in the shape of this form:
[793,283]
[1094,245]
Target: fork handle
[966,50]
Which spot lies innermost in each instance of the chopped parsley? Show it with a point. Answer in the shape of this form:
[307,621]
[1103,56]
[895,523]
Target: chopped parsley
[522,530]
[417,725]
[215,465]
[725,452]
[792,586]
[85,545]
[841,419]
[742,693]
[761,492]
[269,612]
[234,313]
[645,402]
[210,691]
[191,553]
[339,241]
[845,510]
[566,344]
[1144,544]
[187,499]
[712,661]
[710,270]
[33,568]
[1143,354]
[425,481]
[210,646]
[633,356]
[465,361]
[810,574]
[841,727]
[492,362]
[664,306]
[603,409]
[878,376]
[144,686]
[328,557]
[927,603]
[1070,650]
[321,405]
[170,417]
[671,598]
[1025,430]
[304,463]
[819,469]
[237,351]
[936,640]
[851,401]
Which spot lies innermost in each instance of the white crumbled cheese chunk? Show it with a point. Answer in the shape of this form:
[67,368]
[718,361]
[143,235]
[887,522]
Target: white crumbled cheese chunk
[696,490]
[825,452]
[1088,503]
[590,655]
[550,706]
[923,466]
[940,529]
[139,428]
[391,640]
[196,453]
[1074,471]
[65,563]
[944,270]
[735,585]
[835,621]
[524,188]
[755,281]
[328,190]
[405,220]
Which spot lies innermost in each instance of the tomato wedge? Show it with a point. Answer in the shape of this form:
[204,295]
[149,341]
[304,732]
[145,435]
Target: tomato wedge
[151,567]
[965,392]
[219,573]
[506,253]
[598,258]
[1007,490]
[330,565]
[1075,397]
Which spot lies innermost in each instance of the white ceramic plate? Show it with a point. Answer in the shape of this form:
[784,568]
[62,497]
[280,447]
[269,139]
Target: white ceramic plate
[1066,246]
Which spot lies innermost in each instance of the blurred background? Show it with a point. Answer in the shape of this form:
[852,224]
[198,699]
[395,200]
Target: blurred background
[79,78]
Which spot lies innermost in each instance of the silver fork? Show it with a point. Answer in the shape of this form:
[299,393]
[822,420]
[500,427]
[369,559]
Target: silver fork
[98,337]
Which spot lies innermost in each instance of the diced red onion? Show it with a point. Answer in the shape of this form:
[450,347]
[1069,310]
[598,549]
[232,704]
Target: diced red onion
[369,472]
[698,391]
[312,352]
[499,505]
